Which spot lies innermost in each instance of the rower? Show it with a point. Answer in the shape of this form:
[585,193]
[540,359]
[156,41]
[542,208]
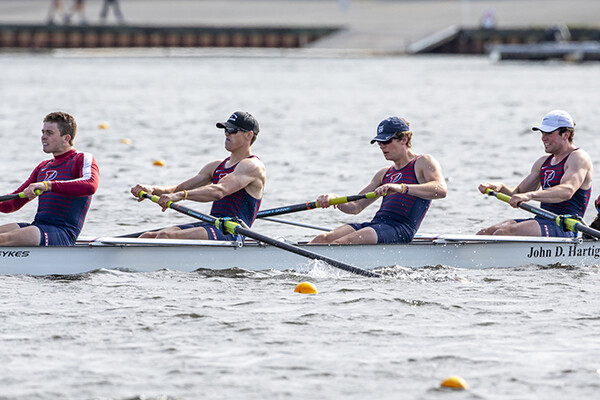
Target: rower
[562,182]
[64,186]
[234,185]
[408,185]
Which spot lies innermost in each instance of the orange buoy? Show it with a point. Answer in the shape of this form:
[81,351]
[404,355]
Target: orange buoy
[454,382]
[103,125]
[159,163]
[306,288]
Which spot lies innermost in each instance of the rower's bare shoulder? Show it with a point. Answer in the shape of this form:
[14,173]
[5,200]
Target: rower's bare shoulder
[582,155]
[252,166]
[427,161]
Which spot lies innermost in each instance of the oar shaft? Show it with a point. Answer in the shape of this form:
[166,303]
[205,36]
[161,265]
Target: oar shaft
[294,223]
[313,204]
[13,196]
[235,228]
[7,197]
[527,207]
[570,223]
[303,252]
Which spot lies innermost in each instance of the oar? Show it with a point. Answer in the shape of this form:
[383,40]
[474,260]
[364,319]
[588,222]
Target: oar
[571,224]
[235,228]
[286,210]
[280,221]
[21,195]
[7,197]
[313,204]
[294,223]
[265,214]
[138,234]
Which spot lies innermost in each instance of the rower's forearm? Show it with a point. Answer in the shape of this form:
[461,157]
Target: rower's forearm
[350,208]
[206,194]
[158,190]
[557,194]
[429,190]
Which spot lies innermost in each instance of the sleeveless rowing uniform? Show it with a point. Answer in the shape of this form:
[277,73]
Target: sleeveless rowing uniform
[400,214]
[61,212]
[550,176]
[239,204]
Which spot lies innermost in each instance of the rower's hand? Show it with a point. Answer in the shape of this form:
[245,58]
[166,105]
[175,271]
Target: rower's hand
[30,191]
[485,186]
[519,198]
[135,191]
[387,188]
[323,200]
[165,198]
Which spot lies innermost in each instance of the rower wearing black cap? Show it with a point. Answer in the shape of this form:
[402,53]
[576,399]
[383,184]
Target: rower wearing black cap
[234,184]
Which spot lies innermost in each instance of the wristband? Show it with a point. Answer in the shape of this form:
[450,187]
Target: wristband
[185,194]
[46,185]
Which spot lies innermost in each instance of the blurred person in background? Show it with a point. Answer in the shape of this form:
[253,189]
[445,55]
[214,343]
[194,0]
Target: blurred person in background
[116,8]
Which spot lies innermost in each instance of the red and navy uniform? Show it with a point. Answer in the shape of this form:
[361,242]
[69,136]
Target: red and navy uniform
[400,214]
[239,204]
[550,176]
[61,212]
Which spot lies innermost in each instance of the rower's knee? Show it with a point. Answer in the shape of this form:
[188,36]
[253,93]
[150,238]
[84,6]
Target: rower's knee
[163,235]
[320,239]
[147,235]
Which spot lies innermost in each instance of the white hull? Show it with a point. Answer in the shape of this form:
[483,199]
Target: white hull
[148,255]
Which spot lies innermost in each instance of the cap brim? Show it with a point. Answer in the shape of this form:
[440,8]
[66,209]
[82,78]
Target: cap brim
[545,128]
[382,138]
[227,125]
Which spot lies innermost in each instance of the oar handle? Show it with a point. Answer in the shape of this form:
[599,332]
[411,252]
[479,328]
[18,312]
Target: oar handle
[347,199]
[235,228]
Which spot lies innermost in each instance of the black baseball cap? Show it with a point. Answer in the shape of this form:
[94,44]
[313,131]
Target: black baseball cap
[240,120]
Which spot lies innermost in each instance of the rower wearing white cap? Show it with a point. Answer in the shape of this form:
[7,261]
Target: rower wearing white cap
[562,182]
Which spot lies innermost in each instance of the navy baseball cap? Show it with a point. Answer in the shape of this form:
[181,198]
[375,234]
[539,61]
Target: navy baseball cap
[240,120]
[388,128]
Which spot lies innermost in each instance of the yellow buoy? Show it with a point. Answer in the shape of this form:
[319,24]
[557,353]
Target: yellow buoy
[159,163]
[306,288]
[126,141]
[454,382]
[103,125]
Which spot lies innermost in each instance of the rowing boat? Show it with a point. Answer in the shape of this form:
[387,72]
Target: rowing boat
[147,255]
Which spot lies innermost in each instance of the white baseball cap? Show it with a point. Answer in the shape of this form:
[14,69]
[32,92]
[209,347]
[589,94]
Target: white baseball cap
[553,120]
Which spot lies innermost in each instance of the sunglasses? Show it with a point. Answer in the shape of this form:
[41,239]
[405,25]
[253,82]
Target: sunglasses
[389,140]
[233,131]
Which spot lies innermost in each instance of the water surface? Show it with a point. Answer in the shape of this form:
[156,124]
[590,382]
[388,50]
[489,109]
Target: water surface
[525,333]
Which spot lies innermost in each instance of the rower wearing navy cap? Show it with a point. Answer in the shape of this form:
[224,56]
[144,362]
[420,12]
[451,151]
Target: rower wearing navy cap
[562,182]
[409,185]
[234,184]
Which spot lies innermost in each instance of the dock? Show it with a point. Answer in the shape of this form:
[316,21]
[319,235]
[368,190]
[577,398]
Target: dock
[360,26]
[38,37]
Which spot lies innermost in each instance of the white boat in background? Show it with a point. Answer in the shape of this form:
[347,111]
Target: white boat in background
[147,255]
